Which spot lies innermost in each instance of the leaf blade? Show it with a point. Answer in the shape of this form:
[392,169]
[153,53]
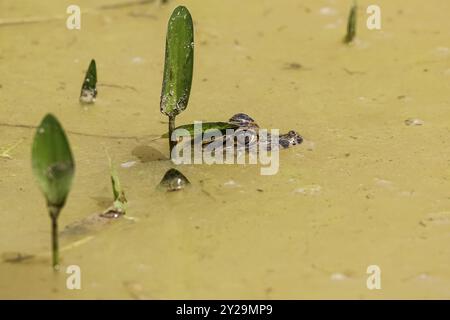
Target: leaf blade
[89,87]
[351,24]
[179,63]
[52,161]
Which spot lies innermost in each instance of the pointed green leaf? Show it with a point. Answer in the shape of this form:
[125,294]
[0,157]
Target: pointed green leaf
[173,180]
[89,88]
[120,201]
[351,24]
[52,161]
[222,126]
[179,62]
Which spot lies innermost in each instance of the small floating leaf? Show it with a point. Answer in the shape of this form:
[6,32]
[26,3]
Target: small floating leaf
[173,180]
[351,24]
[179,62]
[222,126]
[52,161]
[89,88]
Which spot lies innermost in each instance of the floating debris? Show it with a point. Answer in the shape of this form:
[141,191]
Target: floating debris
[128,164]
[423,276]
[414,122]
[350,72]
[404,98]
[327,11]
[311,190]
[173,180]
[137,60]
[437,219]
[231,183]
[92,223]
[442,51]
[293,66]
[136,290]
[89,88]
[338,277]
[112,85]
[5,153]
[383,183]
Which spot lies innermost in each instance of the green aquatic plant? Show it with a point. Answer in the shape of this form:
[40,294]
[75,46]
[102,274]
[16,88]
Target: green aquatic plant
[89,87]
[53,167]
[191,129]
[120,201]
[351,24]
[178,67]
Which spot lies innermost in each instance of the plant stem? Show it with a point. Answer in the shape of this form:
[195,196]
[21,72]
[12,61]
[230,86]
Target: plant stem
[54,213]
[171,129]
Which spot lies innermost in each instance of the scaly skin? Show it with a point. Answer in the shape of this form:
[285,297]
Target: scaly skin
[249,127]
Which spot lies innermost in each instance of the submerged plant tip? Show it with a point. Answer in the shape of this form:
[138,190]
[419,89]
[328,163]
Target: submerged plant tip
[89,87]
[351,24]
[120,201]
[173,180]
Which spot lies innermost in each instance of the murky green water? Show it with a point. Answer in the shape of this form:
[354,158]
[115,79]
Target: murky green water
[364,189]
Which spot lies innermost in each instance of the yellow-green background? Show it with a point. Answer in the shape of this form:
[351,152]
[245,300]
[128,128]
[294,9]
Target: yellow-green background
[363,189]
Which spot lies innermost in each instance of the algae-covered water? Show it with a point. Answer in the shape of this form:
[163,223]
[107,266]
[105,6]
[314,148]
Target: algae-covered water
[369,186]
